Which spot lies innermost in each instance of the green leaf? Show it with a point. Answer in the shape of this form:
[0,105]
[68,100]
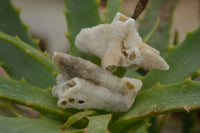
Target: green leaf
[7,109]
[28,125]
[15,61]
[36,54]
[195,123]
[160,99]
[176,38]
[113,6]
[98,124]
[139,127]
[120,72]
[188,122]
[81,14]
[162,9]
[25,94]
[132,74]
[76,117]
[146,39]
[183,60]
[157,123]
[75,131]
[11,24]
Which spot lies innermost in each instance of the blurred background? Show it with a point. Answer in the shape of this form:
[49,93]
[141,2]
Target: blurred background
[47,22]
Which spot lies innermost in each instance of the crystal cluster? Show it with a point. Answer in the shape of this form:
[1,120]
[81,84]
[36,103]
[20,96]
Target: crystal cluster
[84,85]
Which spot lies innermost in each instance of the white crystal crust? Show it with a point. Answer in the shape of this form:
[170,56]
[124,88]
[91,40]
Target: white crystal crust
[84,85]
[119,44]
[99,89]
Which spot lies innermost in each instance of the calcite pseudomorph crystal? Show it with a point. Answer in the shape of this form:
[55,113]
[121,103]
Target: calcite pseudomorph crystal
[119,44]
[84,85]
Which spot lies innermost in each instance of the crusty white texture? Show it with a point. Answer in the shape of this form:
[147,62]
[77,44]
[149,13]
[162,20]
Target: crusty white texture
[84,85]
[119,44]
[85,95]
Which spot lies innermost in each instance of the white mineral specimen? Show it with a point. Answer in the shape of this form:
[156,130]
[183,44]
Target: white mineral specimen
[119,44]
[83,85]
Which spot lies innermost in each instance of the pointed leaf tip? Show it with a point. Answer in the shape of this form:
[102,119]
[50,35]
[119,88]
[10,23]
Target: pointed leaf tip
[18,10]
[37,40]
[26,26]
[17,37]
[23,79]
[65,11]
[187,109]
[171,47]
[157,85]
[67,34]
